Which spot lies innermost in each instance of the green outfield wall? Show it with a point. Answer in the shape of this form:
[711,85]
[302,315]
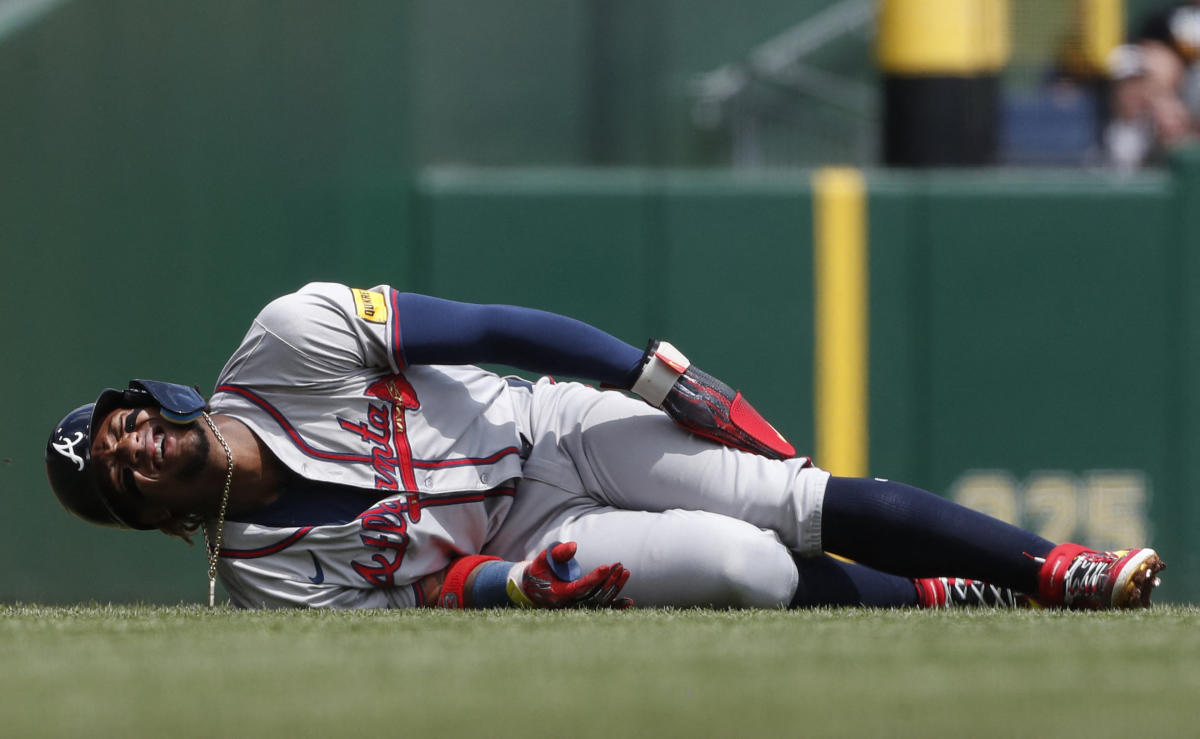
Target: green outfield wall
[1031,336]
[168,168]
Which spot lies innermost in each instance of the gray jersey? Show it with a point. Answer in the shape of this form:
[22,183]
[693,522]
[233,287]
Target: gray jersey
[321,379]
[465,461]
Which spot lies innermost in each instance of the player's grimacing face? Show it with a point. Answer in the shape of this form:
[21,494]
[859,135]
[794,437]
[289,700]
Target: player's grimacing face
[147,459]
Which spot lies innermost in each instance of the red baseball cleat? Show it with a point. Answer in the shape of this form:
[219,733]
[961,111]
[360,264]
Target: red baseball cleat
[959,592]
[1079,578]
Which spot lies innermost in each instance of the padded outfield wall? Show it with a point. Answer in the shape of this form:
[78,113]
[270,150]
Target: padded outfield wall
[1031,335]
[167,168]
[1029,332]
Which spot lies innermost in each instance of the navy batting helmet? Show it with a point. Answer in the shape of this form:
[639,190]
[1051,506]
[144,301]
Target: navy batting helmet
[69,450]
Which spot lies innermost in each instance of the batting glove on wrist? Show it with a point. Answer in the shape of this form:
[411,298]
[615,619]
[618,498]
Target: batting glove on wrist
[704,405]
[552,580]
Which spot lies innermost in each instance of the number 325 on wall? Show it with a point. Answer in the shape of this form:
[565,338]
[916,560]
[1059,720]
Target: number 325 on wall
[1105,509]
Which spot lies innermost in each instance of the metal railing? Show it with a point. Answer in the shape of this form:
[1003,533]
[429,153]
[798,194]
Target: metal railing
[780,109]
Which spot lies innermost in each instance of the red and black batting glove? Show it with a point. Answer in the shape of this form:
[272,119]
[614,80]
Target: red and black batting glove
[552,580]
[704,405]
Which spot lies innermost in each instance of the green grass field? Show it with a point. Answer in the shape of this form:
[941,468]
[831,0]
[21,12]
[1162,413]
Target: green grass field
[185,671]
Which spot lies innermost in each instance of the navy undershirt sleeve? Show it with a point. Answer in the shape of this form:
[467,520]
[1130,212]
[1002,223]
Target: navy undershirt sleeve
[437,331]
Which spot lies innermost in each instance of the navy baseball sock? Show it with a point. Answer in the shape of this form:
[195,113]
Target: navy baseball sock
[825,581]
[907,531]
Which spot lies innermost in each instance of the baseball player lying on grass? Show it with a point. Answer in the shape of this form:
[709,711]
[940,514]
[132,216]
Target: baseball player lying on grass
[352,457]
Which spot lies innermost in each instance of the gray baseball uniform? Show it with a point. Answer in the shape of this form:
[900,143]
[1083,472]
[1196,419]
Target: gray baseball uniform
[395,470]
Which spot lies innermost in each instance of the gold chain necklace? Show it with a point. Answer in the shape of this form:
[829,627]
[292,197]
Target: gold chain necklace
[214,544]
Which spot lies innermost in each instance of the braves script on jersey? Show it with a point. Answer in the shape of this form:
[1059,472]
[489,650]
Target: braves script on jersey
[318,379]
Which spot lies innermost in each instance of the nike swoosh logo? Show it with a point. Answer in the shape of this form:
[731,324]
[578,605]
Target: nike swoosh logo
[318,578]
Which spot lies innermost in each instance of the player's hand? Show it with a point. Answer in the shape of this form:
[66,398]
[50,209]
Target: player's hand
[704,405]
[552,580]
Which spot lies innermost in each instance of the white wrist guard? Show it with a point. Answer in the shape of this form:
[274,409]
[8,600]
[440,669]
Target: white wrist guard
[661,367]
[513,586]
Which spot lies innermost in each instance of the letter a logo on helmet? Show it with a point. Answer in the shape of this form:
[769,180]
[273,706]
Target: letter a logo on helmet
[66,447]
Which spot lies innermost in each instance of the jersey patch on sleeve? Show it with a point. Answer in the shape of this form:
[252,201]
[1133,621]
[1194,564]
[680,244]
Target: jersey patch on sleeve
[370,306]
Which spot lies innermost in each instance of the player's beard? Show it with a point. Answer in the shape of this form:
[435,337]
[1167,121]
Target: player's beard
[194,465]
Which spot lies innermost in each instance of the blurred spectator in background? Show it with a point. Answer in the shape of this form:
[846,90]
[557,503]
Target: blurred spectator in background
[1155,100]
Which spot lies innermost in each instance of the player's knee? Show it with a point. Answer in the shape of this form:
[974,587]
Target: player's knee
[760,576]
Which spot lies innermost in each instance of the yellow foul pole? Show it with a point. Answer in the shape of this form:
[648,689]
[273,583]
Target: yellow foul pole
[841,307]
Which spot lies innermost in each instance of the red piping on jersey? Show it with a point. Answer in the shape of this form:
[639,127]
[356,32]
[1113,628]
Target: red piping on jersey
[432,501]
[358,458]
[304,446]
[278,546]
[414,503]
[289,429]
[300,533]
[397,347]
[465,461]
